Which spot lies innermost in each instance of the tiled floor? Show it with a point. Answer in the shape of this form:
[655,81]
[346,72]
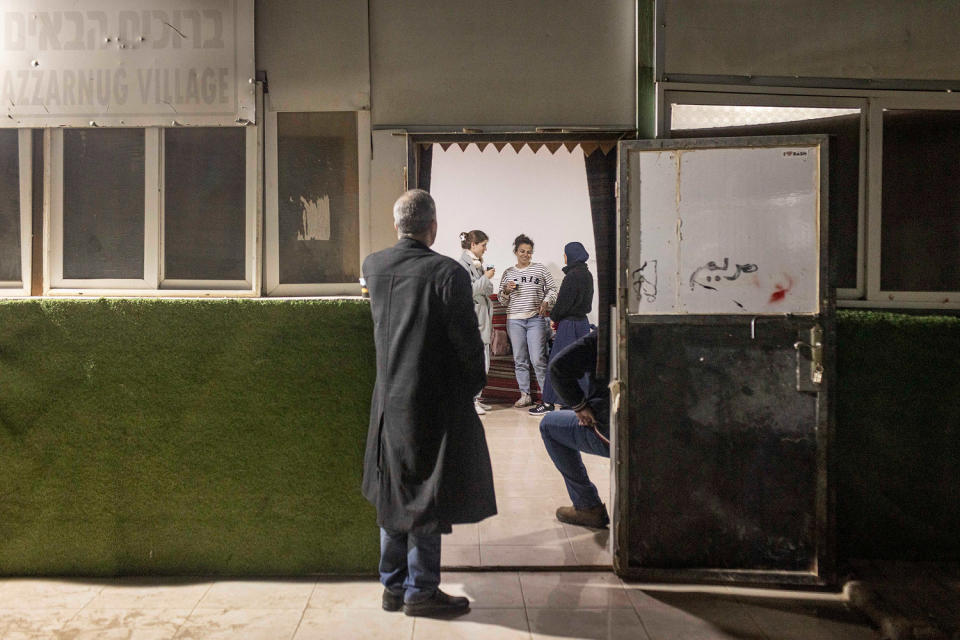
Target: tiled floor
[507,605]
[525,533]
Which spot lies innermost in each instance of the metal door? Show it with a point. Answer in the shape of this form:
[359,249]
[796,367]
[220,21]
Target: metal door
[725,339]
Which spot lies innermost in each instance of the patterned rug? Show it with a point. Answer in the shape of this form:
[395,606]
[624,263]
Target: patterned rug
[501,379]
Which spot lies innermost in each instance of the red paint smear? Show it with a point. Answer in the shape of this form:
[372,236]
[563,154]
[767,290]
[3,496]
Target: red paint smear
[781,292]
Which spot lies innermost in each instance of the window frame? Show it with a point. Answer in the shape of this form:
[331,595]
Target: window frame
[209,287]
[271,264]
[868,293]
[793,100]
[892,297]
[13,288]
[153,284]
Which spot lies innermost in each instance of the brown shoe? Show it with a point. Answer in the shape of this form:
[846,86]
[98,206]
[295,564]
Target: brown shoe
[595,517]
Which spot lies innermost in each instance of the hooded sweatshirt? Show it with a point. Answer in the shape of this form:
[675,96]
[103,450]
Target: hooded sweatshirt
[576,291]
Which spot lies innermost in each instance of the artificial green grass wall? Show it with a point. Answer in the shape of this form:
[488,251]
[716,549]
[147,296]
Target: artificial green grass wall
[184,437]
[226,437]
[898,436]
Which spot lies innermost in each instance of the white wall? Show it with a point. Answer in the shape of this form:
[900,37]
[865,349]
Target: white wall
[507,193]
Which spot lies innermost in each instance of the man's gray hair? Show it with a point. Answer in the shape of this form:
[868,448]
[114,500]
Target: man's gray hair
[413,212]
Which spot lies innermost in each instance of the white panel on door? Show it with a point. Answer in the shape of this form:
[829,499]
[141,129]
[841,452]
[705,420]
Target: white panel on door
[654,246]
[731,231]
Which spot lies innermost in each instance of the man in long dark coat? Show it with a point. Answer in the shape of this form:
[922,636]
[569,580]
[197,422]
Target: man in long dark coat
[426,466]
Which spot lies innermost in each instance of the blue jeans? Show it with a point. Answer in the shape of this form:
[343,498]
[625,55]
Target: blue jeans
[565,438]
[529,341]
[410,564]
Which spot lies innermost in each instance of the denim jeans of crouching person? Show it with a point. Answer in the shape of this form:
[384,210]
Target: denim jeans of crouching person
[528,337]
[564,437]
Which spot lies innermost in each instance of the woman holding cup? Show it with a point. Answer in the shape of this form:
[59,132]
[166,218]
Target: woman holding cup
[474,245]
[528,291]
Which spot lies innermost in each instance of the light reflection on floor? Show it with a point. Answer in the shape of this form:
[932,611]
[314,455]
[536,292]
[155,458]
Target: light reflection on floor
[529,489]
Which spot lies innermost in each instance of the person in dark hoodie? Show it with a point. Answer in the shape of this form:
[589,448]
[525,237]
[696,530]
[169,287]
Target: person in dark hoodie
[569,314]
[584,428]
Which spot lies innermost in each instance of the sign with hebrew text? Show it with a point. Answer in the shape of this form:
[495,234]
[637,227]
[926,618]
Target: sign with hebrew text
[126,63]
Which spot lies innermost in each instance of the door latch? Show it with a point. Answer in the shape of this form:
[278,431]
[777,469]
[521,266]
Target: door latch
[615,387]
[810,360]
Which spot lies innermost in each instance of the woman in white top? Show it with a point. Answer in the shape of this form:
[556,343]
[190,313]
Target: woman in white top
[474,245]
[528,291]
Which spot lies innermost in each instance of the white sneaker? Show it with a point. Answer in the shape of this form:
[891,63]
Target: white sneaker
[479,408]
[483,405]
[524,401]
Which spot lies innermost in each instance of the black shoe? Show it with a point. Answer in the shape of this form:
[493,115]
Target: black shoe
[392,601]
[438,605]
[541,409]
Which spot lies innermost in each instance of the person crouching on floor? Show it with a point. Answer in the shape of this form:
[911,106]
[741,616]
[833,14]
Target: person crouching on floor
[585,427]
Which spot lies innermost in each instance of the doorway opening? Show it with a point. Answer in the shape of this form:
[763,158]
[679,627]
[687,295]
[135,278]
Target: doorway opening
[555,189]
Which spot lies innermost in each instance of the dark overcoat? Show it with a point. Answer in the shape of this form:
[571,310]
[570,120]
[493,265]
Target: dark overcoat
[426,465]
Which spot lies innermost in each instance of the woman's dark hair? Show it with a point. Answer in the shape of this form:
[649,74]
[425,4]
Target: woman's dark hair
[521,239]
[470,238]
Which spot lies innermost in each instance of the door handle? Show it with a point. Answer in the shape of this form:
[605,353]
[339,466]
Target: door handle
[799,344]
[810,369]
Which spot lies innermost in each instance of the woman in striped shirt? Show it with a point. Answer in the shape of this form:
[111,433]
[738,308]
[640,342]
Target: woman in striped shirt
[528,291]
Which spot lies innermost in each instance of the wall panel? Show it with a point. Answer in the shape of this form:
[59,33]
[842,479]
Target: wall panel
[881,40]
[501,62]
[316,54]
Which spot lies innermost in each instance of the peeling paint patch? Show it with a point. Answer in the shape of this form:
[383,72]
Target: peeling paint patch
[314,219]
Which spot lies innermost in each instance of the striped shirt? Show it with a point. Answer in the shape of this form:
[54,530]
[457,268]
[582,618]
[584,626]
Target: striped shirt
[534,285]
